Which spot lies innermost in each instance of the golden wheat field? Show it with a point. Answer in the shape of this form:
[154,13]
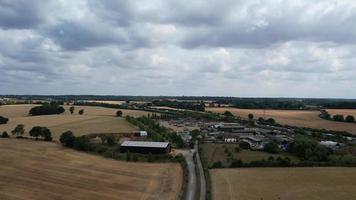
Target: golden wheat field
[46,170]
[301,118]
[326,183]
[94,120]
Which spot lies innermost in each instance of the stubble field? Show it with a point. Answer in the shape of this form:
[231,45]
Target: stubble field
[45,170]
[293,117]
[94,120]
[284,183]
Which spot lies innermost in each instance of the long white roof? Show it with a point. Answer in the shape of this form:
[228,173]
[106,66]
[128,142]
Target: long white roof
[145,144]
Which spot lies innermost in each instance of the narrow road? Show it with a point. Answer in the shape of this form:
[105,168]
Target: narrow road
[201,173]
[192,181]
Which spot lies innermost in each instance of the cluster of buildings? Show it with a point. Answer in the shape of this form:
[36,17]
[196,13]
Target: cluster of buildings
[256,137]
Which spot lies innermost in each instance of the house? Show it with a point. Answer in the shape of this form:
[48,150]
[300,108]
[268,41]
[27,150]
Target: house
[145,147]
[140,134]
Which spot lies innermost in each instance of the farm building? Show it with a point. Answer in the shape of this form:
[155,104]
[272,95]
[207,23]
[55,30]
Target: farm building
[146,147]
[140,134]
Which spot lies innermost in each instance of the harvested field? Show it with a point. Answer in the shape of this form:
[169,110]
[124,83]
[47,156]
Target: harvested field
[344,112]
[43,170]
[302,118]
[94,120]
[284,183]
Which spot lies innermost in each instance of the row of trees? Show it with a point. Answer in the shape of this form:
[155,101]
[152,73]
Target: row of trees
[37,132]
[47,109]
[338,117]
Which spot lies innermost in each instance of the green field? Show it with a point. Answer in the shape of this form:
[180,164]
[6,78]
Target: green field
[217,152]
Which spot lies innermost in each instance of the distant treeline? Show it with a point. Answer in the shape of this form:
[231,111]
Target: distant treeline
[250,103]
[197,106]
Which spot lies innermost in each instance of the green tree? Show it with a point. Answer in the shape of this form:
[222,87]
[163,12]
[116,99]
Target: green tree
[67,139]
[81,112]
[111,140]
[271,147]
[71,109]
[350,118]
[338,117]
[19,130]
[119,113]
[81,143]
[41,132]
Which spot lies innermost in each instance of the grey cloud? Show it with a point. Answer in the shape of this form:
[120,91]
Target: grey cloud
[20,14]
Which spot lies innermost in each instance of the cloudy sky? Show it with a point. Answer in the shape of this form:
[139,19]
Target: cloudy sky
[257,48]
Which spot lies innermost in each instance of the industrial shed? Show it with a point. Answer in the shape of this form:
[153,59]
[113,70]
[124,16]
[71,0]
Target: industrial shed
[146,147]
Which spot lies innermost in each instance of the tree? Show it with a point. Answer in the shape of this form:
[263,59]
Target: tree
[71,110]
[250,116]
[42,132]
[271,121]
[119,113]
[81,112]
[5,135]
[271,147]
[35,132]
[111,140]
[81,143]
[3,120]
[244,145]
[46,110]
[67,139]
[350,118]
[19,130]
[339,118]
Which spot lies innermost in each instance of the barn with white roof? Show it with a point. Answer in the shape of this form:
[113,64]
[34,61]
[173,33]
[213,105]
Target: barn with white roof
[145,147]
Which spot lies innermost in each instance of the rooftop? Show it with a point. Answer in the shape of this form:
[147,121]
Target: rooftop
[145,144]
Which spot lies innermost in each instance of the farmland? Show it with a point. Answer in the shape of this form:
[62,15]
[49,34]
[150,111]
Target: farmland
[94,120]
[45,170]
[300,118]
[284,183]
[216,152]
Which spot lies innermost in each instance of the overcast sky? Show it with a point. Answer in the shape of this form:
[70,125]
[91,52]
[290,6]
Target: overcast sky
[257,48]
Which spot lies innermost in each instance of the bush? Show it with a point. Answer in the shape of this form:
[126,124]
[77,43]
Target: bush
[46,110]
[244,145]
[217,164]
[119,113]
[67,139]
[81,112]
[350,118]
[5,135]
[236,163]
[3,120]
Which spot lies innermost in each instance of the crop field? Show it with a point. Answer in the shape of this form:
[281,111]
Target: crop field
[344,112]
[94,120]
[216,152]
[300,118]
[45,170]
[315,183]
